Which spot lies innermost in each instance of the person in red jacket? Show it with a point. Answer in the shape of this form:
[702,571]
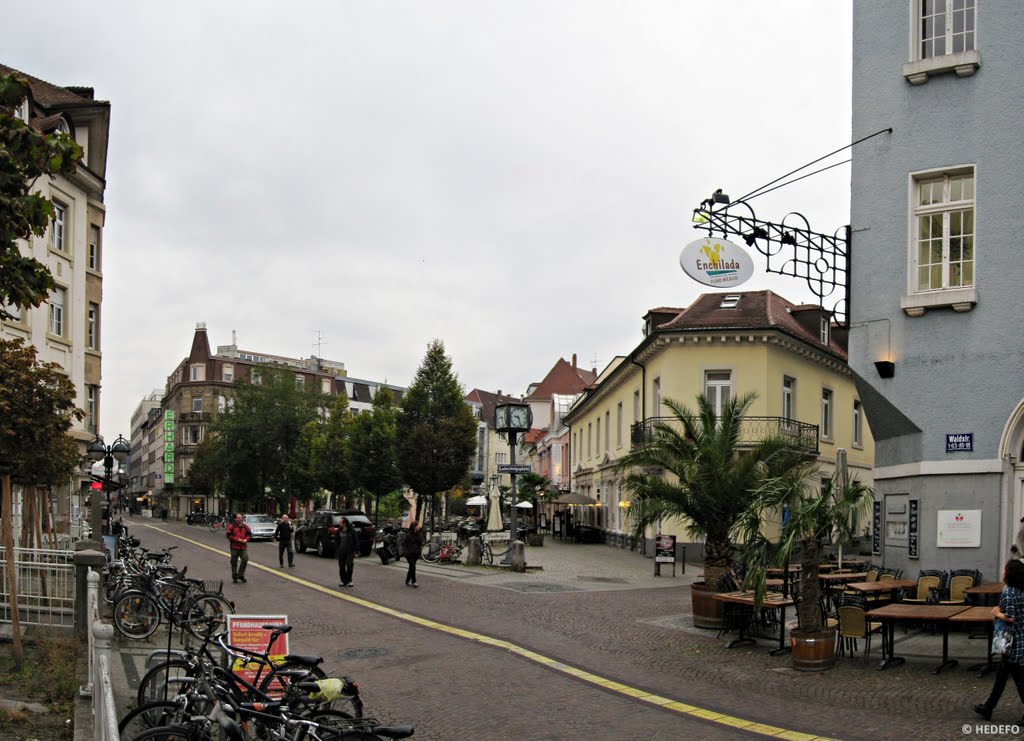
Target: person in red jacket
[239,535]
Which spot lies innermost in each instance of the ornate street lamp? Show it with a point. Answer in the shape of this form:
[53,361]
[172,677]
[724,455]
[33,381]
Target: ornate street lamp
[511,419]
[109,456]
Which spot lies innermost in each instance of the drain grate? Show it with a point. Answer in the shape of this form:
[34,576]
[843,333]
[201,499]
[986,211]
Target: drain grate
[604,579]
[362,653]
[528,587]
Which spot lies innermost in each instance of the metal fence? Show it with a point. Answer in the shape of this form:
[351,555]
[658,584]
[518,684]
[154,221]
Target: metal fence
[45,585]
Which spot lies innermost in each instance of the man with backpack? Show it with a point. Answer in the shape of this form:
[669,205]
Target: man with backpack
[239,535]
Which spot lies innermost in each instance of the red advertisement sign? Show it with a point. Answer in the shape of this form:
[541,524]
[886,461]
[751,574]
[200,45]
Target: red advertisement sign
[247,632]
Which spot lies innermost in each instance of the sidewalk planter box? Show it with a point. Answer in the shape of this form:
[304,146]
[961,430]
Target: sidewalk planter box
[813,652]
[707,611]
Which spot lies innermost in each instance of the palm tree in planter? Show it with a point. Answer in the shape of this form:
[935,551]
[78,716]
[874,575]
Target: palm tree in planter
[712,481]
[818,511]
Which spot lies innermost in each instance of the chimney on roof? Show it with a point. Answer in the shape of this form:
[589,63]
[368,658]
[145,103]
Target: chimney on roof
[499,393]
[574,360]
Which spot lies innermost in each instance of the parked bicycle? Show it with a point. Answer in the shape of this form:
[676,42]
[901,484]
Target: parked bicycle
[186,603]
[442,552]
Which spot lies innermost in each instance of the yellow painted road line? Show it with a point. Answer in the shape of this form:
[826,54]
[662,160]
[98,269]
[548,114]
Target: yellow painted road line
[611,685]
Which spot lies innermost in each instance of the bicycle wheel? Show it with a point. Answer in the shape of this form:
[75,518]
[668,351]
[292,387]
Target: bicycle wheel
[168,733]
[150,715]
[136,615]
[432,552]
[154,687]
[486,554]
[274,684]
[203,608]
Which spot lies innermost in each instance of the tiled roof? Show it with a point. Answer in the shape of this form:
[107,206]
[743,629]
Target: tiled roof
[563,378]
[47,94]
[755,310]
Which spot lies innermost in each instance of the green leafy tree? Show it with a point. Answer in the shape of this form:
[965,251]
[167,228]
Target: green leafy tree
[257,439]
[372,460]
[709,483]
[25,156]
[331,454]
[206,474]
[533,487]
[436,433]
[37,408]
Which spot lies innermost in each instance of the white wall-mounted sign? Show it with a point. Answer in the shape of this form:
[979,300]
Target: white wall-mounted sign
[716,262]
[959,528]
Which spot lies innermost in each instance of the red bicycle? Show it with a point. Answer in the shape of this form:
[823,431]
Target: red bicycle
[443,553]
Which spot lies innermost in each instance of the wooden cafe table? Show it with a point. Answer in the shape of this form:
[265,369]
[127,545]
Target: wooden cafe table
[772,601]
[985,592]
[890,614]
[979,616]
[879,587]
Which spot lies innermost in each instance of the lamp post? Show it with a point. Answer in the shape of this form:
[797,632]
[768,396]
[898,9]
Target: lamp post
[108,455]
[512,419]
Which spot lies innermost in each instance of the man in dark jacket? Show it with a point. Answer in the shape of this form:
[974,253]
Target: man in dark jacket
[347,544]
[283,536]
[239,534]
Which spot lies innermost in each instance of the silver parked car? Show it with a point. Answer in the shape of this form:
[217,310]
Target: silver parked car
[262,526]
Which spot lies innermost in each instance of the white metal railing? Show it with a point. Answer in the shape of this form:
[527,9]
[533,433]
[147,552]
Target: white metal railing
[99,686]
[45,587]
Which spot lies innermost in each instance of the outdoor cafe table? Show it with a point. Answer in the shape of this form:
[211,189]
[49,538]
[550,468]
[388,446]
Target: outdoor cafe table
[983,616]
[877,587]
[772,600]
[986,591]
[851,576]
[929,613]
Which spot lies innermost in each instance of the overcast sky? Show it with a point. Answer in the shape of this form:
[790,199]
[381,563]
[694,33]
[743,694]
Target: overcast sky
[514,178]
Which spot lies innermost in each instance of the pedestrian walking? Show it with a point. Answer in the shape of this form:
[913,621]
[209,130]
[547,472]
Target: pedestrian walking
[412,549]
[239,535]
[283,536]
[347,545]
[163,514]
[1009,617]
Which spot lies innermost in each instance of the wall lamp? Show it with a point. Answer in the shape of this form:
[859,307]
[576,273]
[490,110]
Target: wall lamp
[885,368]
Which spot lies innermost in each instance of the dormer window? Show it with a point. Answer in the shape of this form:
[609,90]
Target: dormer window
[731,301]
[824,334]
[62,127]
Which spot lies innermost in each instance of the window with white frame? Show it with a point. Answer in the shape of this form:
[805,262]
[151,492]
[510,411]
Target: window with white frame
[826,413]
[656,397]
[221,403]
[257,378]
[607,430]
[788,393]
[944,231]
[92,329]
[58,299]
[197,404]
[15,312]
[638,413]
[227,372]
[300,382]
[197,372]
[93,261]
[325,387]
[823,333]
[90,409]
[946,27]
[857,417]
[193,434]
[597,424]
[718,389]
[618,425]
[60,212]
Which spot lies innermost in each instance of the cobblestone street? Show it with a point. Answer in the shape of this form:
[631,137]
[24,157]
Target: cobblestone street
[592,614]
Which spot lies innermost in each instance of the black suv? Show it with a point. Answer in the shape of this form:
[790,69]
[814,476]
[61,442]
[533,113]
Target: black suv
[320,532]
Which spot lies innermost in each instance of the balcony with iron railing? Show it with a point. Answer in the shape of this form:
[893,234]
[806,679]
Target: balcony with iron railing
[194,417]
[752,431]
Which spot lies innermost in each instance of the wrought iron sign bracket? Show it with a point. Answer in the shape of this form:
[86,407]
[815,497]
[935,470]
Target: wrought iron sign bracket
[789,247]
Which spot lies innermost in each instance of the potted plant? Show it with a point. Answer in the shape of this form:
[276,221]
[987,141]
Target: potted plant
[701,479]
[816,511]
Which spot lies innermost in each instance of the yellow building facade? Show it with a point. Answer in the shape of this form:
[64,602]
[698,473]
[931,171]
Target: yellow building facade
[724,346]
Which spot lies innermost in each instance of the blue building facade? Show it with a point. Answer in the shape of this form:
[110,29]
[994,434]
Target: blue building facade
[936,272]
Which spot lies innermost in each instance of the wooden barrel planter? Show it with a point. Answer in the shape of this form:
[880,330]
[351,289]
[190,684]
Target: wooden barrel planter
[707,611]
[813,652]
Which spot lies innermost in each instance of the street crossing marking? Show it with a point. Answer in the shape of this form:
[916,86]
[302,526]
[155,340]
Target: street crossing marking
[612,685]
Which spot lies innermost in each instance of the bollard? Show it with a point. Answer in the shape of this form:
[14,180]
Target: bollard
[474,552]
[85,562]
[518,550]
[104,712]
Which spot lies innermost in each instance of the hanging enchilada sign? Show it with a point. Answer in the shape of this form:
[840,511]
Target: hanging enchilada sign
[716,262]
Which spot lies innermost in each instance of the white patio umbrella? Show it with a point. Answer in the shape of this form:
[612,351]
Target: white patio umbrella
[477,501]
[842,475]
[524,505]
[494,521]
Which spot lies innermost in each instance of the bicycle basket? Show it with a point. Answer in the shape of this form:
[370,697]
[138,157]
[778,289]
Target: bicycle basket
[215,586]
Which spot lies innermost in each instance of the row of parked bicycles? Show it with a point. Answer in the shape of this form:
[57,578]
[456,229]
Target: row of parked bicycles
[202,688]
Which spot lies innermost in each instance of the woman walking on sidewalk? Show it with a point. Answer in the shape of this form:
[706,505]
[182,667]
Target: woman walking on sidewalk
[1009,616]
[347,545]
[412,549]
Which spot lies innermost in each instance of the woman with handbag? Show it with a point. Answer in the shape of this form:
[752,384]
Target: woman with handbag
[1009,640]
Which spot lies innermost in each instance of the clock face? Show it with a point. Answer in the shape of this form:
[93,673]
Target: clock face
[520,418]
[501,418]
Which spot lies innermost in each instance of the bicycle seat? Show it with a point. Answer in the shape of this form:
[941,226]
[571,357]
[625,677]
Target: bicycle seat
[304,660]
[393,731]
[282,629]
